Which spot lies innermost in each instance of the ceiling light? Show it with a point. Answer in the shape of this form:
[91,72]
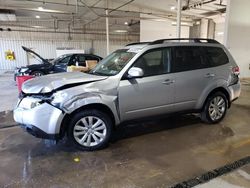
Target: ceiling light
[38,26]
[183,24]
[40,8]
[220,33]
[173,8]
[159,20]
[120,31]
[37,16]
[125,23]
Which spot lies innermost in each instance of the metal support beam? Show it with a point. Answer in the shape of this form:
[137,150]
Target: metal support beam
[178,25]
[107,28]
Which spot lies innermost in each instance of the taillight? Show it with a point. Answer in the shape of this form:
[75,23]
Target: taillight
[236,70]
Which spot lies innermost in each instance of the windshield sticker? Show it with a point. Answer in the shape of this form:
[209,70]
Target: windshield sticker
[134,50]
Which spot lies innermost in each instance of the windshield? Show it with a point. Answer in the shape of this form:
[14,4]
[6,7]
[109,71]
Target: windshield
[114,63]
[58,59]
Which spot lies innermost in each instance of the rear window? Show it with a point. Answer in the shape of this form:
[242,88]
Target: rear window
[216,56]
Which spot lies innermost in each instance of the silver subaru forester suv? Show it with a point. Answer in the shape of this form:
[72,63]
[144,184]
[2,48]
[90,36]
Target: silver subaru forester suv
[141,80]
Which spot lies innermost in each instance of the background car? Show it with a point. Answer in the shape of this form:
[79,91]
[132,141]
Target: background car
[57,65]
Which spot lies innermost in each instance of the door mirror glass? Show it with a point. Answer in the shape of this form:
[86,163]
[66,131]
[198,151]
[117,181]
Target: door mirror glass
[135,72]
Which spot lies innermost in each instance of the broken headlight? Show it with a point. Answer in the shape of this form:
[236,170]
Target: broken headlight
[29,103]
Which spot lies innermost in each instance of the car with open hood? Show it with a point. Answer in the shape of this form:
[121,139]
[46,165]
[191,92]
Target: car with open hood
[140,81]
[44,66]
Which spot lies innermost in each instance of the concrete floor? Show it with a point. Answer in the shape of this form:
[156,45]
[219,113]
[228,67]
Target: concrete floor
[9,93]
[156,153]
[237,179]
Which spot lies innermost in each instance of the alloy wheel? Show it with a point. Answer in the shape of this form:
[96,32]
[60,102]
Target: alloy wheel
[217,108]
[90,131]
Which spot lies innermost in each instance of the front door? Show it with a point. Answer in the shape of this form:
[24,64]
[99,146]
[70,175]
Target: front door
[152,94]
[62,63]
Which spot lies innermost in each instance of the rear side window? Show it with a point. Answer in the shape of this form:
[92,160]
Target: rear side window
[216,56]
[188,58]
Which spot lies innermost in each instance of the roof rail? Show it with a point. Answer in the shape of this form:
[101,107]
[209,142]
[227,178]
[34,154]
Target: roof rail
[136,43]
[195,40]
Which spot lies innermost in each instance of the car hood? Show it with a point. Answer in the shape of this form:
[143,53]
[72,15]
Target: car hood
[49,83]
[34,53]
[35,66]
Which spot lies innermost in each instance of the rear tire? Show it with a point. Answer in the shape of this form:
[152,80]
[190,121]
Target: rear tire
[215,108]
[90,130]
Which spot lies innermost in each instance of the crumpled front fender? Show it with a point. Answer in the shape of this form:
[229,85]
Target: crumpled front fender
[81,100]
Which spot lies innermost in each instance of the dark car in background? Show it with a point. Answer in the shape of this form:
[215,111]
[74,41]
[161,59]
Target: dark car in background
[57,65]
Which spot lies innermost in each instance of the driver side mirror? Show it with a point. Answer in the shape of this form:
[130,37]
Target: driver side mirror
[135,72]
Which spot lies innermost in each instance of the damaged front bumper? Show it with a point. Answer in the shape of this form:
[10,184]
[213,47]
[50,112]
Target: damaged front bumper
[41,119]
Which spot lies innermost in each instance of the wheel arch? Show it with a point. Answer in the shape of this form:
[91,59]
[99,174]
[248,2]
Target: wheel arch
[97,106]
[218,89]
[36,70]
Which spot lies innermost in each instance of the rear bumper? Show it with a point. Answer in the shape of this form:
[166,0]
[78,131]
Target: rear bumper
[234,91]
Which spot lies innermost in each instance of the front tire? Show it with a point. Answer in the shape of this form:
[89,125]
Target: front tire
[37,73]
[215,108]
[90,130]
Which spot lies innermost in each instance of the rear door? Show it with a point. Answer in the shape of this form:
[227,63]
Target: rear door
[193,75]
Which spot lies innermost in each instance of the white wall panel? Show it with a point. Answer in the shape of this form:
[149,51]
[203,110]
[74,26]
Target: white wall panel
[47,49]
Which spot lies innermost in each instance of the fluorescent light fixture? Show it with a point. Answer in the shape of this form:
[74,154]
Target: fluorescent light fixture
[120,31]
[37,16]
[220,33]
[159,20]
[172,8]
[183,24]
[40,8]
[38,26]
[7,17]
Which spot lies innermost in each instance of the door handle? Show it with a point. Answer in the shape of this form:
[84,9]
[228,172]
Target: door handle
[168,82]
[209,75]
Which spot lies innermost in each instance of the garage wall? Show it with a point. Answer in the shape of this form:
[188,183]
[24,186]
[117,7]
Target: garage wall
[159,29]
[45,43]
[237,34]
[219,32]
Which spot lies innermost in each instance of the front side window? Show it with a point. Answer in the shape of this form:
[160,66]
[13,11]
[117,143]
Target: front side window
[114,63]
[64,59]
[80,60]
[154,62]
[188,58]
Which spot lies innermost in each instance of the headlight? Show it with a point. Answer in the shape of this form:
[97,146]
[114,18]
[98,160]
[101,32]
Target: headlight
[29,103]
[58,97]
[24,70]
